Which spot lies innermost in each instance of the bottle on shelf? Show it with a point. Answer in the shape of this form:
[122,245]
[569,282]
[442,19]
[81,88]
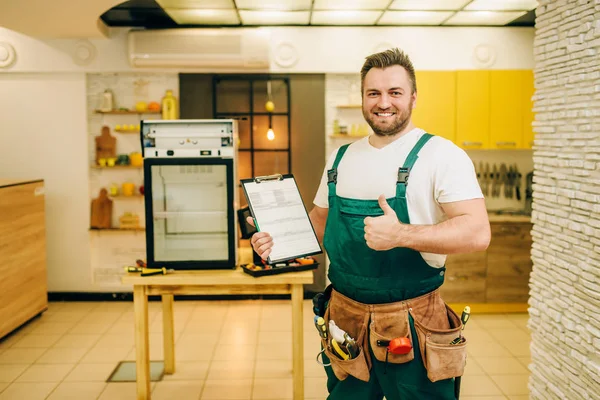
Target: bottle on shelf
[169,106]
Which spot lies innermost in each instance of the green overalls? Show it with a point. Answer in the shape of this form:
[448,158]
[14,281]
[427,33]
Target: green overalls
[373,277]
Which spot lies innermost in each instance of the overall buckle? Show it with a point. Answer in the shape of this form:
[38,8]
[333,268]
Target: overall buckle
[332,176]
[403,174]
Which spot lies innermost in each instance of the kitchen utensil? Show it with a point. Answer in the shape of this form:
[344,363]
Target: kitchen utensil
[518,177]
[106,145]
[529,193]
[503,179]
[495,181]
[101,214]
[487,178]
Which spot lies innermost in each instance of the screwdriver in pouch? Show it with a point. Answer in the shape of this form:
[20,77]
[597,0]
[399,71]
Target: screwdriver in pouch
[463,318]
[155,271]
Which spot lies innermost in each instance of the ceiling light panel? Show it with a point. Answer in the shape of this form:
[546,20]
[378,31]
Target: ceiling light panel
[274,4]
[502,5]
[203,17]
[414,17]
[492,18]
[344,17]
[438,5]
[202,4]
[274,17]
[350,4]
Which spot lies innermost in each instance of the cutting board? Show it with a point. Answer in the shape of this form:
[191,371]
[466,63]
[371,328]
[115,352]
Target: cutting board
[106,145]
[101,211]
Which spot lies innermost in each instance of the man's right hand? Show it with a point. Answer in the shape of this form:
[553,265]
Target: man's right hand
[261,242]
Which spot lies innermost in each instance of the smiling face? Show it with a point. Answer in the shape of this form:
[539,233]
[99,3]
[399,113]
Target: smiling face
[388,100]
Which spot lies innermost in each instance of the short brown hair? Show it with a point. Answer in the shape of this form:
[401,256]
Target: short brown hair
[386,59]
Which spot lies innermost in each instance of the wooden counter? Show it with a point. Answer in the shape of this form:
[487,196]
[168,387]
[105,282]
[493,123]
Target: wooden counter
[499,275]
[23,287]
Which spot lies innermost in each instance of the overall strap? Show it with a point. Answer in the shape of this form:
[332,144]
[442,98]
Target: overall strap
[332,173]
[404,171]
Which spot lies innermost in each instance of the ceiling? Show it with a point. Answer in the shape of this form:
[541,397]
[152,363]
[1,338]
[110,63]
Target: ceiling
[237,13]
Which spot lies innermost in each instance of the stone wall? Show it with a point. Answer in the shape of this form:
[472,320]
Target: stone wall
[565,282]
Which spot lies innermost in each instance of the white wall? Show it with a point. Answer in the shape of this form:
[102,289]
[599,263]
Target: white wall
[43,128]
[43,134]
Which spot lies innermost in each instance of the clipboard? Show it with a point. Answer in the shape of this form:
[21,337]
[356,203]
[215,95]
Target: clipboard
[277,208]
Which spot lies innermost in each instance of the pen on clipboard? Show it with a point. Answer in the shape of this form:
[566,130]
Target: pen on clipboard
[256,224]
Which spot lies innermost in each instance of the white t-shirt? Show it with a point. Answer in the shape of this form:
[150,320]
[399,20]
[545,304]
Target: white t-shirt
[443,173]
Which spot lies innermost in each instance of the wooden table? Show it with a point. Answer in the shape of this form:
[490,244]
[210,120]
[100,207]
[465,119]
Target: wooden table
[209,282]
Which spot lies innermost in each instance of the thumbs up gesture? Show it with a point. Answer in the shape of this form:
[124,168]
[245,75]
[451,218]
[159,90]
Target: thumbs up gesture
[381,232]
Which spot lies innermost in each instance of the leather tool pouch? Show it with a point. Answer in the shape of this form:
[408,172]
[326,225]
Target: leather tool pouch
[354,322]
[388,325]
[435,331]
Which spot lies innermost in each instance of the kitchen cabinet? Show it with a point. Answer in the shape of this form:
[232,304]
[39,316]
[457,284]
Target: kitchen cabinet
[472,109]
[527,107]
[435,109]
[498,275]
[506,110]
[23,287]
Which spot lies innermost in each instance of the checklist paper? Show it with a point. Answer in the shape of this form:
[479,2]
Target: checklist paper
[277,208]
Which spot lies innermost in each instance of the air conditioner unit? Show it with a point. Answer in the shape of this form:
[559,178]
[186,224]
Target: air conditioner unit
[228,49]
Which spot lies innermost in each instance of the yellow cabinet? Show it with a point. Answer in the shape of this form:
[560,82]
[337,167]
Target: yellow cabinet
[527,107]
[472,109]
[506,110]
[435,110]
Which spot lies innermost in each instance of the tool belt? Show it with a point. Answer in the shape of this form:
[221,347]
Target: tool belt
[436,324]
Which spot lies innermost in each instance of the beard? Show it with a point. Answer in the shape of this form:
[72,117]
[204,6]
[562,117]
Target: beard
[401,120]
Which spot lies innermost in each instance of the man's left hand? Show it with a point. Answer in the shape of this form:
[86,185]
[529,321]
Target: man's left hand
[381,232]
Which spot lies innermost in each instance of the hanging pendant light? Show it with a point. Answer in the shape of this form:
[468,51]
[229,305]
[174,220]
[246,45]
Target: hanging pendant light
[270,106]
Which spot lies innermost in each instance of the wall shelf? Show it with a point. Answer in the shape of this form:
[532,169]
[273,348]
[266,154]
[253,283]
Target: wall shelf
[123,112]
[117,229]
[127,132]
[349,106]
[135,196]
[117,167]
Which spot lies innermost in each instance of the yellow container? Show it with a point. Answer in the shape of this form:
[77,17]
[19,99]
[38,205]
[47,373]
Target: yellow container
[135,159]
[128,189]
[169,106]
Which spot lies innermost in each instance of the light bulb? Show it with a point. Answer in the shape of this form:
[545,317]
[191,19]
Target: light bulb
[270,134]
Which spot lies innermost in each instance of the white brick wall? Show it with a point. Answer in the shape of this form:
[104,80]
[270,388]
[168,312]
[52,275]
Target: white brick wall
[565,281]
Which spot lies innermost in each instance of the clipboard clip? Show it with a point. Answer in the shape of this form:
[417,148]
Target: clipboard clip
[275,177]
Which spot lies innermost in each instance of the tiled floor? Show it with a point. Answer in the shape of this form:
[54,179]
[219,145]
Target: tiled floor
[224,350]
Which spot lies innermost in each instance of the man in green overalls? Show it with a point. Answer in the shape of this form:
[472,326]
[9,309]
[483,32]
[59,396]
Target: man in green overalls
[389,209]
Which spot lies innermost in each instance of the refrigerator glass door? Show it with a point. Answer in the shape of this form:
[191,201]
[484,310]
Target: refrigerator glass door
[191,214]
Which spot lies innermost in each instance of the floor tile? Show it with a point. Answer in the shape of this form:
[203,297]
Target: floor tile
[519,397]
[236,369]
[478,335]
[9,373]
[246,337]
[37,341]
[509,335]
[8,341]
[77,391]
[315,388]
[231,389]
[29,391]
[3,385]
[45,373]
[472,368]
[119,391]
[479,386]
[74,341]
[50,328]
[188,339]
[115,340]
[195,353]
[487,349]
[512,384]
[274,351]
[91,372]
[66,316]
[61,356]
[89,328]
[179,390]
[232,352]
[313,369]
[21,356]
[105,355]
[525,361]
[106,318]
[501,366]
[487,321]
[188,371]
[273,368]
[518,349]
[272,389]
